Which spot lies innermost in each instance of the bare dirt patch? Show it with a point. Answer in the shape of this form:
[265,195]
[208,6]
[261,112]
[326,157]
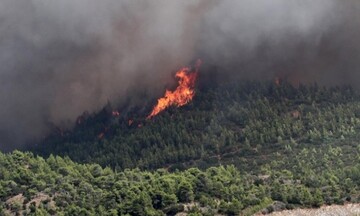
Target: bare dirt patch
[333,210]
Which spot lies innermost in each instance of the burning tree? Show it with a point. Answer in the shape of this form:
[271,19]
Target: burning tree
[183,93]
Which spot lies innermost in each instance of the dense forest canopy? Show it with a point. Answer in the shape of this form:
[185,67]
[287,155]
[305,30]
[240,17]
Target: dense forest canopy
[236,148]
[225,124]
[36,186]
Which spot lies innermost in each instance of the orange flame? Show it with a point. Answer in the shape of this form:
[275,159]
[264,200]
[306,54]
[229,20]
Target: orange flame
[182,95]
[115,113]
[102,134]
[130,122]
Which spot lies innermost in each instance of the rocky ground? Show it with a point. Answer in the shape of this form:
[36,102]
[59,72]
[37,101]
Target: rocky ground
[333,210]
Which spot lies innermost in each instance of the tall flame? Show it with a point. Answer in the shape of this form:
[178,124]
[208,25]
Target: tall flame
[184,92]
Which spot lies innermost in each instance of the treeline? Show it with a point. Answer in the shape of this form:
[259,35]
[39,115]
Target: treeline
[32,185]
[224,124]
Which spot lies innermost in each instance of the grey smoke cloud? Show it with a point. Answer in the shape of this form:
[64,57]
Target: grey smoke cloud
[60,58]
[304,41]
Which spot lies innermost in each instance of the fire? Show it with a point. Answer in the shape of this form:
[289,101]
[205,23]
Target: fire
[101,135]
[115,113]
[183,94]
[277,81]
[130,122]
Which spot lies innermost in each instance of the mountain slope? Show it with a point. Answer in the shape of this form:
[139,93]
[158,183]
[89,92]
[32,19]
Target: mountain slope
[34,186]
[246,124]
[288,147]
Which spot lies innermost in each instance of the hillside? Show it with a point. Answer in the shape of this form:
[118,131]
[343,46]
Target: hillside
[35,186]
[238,148]
[179,108]
[247,124]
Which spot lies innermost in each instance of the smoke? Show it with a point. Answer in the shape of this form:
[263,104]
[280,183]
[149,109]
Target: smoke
[302,41]
[60,58]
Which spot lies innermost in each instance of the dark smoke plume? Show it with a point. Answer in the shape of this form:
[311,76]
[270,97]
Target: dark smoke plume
[303,41]
[61,58]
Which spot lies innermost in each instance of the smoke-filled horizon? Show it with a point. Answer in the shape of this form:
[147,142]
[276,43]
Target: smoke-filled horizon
[61,58]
